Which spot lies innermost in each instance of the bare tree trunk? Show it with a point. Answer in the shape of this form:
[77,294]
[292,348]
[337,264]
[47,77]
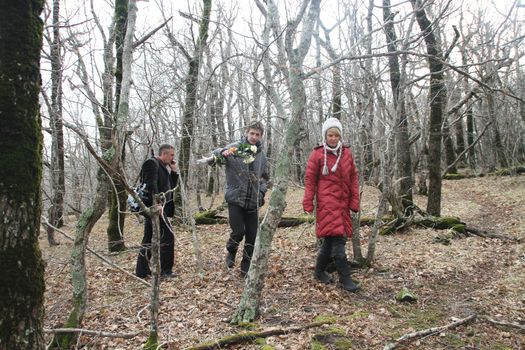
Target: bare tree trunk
[365,131]
[249,303]
[498,151]
[56,210]
[22,278]
[460,138]
[437,97]
[118,194]
[403,164]
[450,152]
[470,138]
[190,103]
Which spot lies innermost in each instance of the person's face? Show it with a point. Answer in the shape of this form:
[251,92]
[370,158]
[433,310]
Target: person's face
[253,135]
[167,156]
[332,138]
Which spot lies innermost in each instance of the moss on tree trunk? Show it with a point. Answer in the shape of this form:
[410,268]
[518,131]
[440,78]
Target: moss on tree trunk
[117,219]
[22,277]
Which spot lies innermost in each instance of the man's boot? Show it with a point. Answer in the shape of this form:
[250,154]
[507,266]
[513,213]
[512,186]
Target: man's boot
[230,259]
[320,273]
[344,274]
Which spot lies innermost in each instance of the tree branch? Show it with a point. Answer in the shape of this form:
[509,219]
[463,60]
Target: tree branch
[150,34]
[101,257]
[428,332]
[93,333]
[466,150]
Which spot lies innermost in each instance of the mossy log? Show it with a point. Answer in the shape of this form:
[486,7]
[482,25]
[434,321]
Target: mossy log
[520,169]
[456,228]
[212,217]
[252,336]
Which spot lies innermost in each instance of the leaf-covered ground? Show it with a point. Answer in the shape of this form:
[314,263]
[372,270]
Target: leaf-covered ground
[470,276]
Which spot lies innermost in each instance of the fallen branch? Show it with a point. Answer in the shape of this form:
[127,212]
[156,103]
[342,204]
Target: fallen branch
[504,323]
[428,332]
[250,336]
[94,333]
[486,234]
[104,259]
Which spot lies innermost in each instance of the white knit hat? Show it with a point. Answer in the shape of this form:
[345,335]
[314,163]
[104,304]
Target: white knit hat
[332,123]
[327,125]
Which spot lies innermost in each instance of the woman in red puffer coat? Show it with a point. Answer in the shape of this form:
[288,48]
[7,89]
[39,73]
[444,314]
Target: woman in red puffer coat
[331,180]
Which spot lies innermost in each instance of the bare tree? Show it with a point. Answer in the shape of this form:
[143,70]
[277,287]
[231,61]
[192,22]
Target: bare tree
[56,209]
[402,204]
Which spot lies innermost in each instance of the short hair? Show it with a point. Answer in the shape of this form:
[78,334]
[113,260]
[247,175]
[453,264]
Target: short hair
[165,147]
[254,124]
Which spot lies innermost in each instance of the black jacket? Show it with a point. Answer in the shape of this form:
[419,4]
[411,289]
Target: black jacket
[159,179]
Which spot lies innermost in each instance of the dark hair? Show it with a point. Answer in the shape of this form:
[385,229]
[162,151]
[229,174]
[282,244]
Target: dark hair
[254,124]
[164,148]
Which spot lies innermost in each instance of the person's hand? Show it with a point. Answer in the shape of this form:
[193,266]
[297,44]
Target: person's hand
[226,153]
[173,166]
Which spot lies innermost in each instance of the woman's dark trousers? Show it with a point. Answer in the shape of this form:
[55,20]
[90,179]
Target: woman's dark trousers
[334,247]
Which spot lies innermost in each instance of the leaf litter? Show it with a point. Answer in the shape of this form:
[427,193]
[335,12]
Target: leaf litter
[472,275]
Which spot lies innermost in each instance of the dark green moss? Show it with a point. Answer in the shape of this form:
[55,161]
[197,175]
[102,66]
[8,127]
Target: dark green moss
[21,280]
[152,343]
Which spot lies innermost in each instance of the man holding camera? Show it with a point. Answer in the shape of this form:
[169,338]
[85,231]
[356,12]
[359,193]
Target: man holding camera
[159,174]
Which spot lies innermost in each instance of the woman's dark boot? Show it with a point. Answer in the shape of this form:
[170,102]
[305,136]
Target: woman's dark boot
[344,274]
[320,273]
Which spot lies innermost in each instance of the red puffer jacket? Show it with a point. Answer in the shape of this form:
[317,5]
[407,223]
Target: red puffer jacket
[336,193]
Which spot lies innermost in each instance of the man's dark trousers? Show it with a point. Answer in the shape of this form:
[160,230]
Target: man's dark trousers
[166,249]
[244,224]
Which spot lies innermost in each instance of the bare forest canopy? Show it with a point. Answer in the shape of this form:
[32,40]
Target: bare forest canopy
[244,73]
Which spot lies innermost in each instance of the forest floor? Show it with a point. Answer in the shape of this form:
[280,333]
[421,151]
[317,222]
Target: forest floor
[472,275]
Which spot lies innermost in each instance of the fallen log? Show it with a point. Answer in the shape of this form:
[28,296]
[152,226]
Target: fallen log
[212,217]
[517,170]
[251,336]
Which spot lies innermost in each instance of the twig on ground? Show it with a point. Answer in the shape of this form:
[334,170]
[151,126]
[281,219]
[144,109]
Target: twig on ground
[504,323]
[427,332]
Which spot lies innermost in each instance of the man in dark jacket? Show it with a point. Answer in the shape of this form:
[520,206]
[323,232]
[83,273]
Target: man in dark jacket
[246,184]
[159,174]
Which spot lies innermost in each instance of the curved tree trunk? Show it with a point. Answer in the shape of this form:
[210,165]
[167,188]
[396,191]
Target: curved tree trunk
[87,220]
[249,304]
[22,277]
[118,195]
